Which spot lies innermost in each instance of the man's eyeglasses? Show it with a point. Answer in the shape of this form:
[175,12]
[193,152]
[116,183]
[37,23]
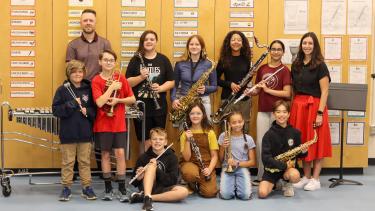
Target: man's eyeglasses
[109,60]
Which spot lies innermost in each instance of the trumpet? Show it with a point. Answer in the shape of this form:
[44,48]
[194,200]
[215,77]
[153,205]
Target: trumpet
[144,168]
[71,92]
[228,150]
[154,95]
[247,91]
[109,108]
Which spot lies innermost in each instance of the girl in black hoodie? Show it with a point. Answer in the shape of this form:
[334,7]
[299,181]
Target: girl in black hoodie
[280,138]
[73,104]
[157,182]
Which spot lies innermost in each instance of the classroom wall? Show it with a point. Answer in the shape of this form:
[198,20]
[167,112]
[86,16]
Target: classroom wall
[56,24]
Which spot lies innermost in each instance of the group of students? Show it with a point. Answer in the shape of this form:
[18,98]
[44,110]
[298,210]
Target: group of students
[86,117]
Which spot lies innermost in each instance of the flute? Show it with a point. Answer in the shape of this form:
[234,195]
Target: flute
[70,90]
[256,86]
[144,168]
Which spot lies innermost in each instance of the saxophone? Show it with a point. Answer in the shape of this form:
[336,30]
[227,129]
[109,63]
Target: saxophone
[176,115]
[291,154]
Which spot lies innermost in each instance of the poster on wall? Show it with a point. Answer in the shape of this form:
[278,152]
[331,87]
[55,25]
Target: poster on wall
[333,16]
[359,17]
[295,16]
[358,48]
[291,50]
[355,133]
[335,73]
[332,48]
[334,128]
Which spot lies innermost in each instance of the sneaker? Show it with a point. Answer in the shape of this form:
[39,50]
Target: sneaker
[301,183]
[288,190]
[279,186]
[108,195]
[137,197]
[122,196]
[147,204]
[88,193]
[255,182]
[312,185]
[65,195]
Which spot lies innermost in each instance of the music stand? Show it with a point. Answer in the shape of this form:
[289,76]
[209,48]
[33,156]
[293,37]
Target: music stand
[346,97]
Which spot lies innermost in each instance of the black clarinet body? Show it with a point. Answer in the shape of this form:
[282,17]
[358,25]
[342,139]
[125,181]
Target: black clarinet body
[197,153]
[149,83]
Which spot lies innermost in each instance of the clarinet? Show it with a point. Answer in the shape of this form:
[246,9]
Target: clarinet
[195,149]
[149,83]
[222,112]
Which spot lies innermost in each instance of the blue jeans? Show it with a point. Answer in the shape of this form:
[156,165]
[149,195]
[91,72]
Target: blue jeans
[237,184]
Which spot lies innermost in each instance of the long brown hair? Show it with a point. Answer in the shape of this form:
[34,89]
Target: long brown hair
[205,123]
[141,48]
[186,56]
[316,55]
[226,50]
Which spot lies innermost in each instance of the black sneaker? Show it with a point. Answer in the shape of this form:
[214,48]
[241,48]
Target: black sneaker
[136,197]
[122,196]
[65,195]
[108,195]
[88,193]
[147,204]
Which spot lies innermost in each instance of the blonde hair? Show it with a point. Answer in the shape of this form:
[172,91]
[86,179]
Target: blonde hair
[186,55]
[160,131]
[73,65]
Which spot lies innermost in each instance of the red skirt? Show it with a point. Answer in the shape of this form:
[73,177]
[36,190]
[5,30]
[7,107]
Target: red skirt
[302,116]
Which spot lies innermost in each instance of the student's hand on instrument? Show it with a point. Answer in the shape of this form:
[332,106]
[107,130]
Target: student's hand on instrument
[206,172]
[176,104]
[115,85]
[290,164]
[235,87]
[144,73]
[225,143]
[156,87]
[153,161]
[232,162]
[84,111]
[189,134]
[112,101]
[201,89]
[319,120]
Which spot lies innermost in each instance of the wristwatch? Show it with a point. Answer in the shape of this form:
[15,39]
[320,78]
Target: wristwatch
[319,112]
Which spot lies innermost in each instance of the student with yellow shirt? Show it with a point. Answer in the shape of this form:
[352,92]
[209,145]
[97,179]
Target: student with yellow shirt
[201,178]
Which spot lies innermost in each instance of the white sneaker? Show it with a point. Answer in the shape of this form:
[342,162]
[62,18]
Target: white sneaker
[301,183]
[288,190]
[312,185]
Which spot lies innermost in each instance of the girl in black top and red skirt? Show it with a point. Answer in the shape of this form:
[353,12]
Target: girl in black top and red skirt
[311,80]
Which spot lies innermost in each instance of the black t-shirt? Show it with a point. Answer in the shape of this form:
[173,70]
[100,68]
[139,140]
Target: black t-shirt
[306,80]
[160,69]
[237,70]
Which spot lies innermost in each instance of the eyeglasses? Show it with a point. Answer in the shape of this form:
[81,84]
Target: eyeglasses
[277,49]
[109,60]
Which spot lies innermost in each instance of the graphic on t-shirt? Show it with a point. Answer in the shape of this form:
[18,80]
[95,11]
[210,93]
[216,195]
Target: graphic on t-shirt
[154,73]
[272,82]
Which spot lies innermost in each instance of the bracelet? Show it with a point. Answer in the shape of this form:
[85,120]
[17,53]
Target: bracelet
[320,113]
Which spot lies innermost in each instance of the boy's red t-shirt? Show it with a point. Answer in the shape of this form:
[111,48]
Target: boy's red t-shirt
[104,123]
